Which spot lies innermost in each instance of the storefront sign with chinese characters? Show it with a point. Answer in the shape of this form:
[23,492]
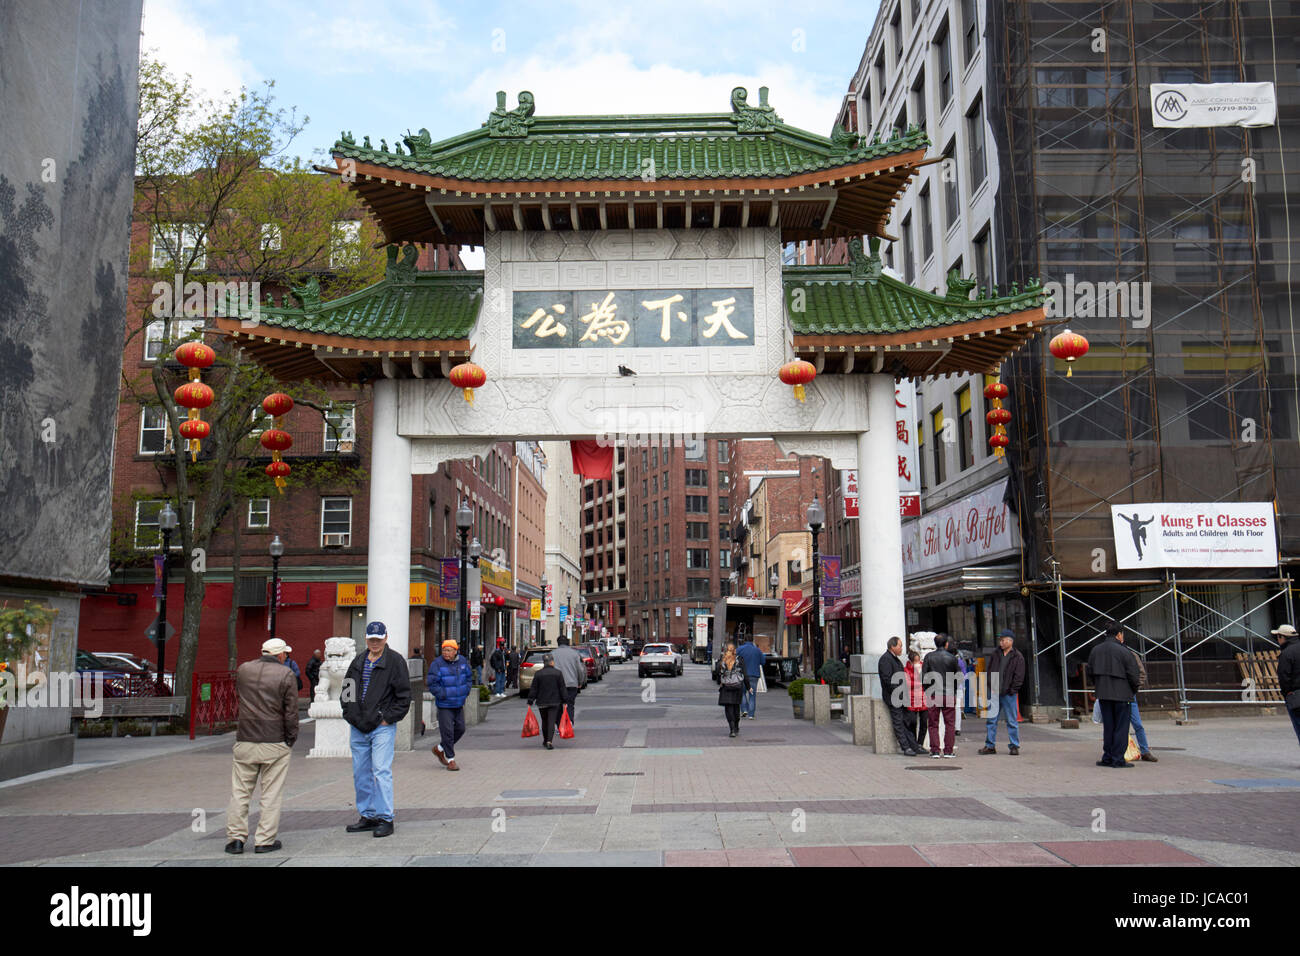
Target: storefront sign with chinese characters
[909,466]
[641,318]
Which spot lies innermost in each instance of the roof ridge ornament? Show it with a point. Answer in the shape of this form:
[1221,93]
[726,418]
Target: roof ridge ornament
[420,144]
[843,140]
[753,119]
[511,123]
[403,272]
[308,294]
[958,288]
[865,267]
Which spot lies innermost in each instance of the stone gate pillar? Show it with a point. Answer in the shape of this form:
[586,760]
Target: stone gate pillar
[880,534]
[388,575]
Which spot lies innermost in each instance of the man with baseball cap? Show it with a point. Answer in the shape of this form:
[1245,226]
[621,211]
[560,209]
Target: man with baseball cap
[1288,672]
[1009,666]
[376,695]
[267,729]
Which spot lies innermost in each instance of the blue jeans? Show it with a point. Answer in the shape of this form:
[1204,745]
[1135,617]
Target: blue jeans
[1135,721]
[501,682]
[372,771]
[1007,710]
[1295,721]
[749,701]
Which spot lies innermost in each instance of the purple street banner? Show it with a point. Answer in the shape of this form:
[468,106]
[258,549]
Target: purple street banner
[157,575]
[830,583]
[450,578]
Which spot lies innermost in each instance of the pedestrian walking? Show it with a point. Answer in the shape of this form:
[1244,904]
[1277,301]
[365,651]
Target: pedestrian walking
[498,662]
[512,668]
[1288,672]
[476,662]
[1115,681]
[1008,665]
[1135,717]
[752,659]
[569,661]
[290,663]
[449,681]
[733,684]
[264,738]
[916,698]
[313,672]
[547,691]
[376,695]
[939,673]
[896,693]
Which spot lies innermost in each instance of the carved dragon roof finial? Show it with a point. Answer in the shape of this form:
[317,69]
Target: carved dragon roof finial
[753,119]
[502,122]
[865,267]
[958,288]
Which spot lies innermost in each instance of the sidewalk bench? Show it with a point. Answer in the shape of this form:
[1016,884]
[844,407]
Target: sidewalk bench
[154,709]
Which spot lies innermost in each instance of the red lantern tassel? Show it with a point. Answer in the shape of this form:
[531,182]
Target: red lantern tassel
[799,392]
[469,395]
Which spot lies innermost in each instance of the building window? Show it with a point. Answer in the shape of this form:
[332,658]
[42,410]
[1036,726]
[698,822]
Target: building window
[259,513]
[696,450]
[880,72]
[148,537]
[724,532]
[965,430]
[983,263]
[724,452]
[654,484]
[794,572]
[345,243]
[920,453]
[724,558]
[896,35]
[918,98]
[697,559]
[698,530]
[336,522]
[656,562]
[340,427]
[697,587]
[153,430]
[971,28]
[182,329]
[654,458]
[927,225]
[697,478]
[940,471]
[951,189]
[175,244]
[665,560]
[975,142]
[724,506]
[724,479]
[865,102]
[654,505]
[909,268]
[270,239]
[943,55]
[697,504]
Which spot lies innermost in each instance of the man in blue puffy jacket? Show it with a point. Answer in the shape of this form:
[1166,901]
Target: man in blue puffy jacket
[450,682]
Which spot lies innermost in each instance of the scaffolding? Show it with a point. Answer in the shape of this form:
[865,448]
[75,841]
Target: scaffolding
[1173,248]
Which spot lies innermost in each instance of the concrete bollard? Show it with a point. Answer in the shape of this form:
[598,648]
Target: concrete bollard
[863,725]
[817,698]
[885,741]
[474,712]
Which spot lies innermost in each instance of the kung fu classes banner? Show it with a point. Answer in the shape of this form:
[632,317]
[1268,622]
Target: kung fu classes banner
[1179,534]
[642,318]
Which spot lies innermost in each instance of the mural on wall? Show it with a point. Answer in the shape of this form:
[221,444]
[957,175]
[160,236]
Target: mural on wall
[66,163]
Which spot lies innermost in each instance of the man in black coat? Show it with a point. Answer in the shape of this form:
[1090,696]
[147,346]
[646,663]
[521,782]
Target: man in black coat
[376,695]
[548,693]
[1288,672]
[940,676]
[894,691]
[1115,680]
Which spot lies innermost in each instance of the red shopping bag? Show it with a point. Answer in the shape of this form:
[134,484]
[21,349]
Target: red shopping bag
[566,726]
[530,725]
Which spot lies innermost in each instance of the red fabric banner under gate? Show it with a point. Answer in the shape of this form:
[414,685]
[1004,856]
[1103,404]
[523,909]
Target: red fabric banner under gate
[592,460]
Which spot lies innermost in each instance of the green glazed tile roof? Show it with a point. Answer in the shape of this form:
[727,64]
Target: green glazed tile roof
[749,142]
[431,305]
[828,300]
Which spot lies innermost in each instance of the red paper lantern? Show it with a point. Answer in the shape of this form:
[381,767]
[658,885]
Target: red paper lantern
[195,355]
[1069,346]
[998,416]
[193,395]
[999,442]
[274,439]
[798,373]
[996,390]
[277,404]
[279,470]
[468,376]
[195,429]
[501,602]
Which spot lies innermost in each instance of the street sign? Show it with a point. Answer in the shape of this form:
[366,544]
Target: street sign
[151,632]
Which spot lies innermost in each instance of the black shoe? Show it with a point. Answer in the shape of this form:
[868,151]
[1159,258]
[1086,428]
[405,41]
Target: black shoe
[548,745]
[365,823]
[235,846]
[1015,751]
[1104,763]
[384,828]
[909,753]
[1122,766]
[269,848]
[732,734]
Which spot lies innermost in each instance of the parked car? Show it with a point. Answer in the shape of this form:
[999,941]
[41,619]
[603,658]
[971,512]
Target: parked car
[529,666]
[658,657]
[617,652]
[118,680]
[136,666]
[634,647]
[591,658]
[602,651]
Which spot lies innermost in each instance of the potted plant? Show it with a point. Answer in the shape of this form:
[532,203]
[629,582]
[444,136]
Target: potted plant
[835,674]
[795,690]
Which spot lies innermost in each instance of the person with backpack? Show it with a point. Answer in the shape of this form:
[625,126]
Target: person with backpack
[733,682]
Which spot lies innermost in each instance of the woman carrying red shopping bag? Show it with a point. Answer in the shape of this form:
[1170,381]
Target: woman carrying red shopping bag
[547,692]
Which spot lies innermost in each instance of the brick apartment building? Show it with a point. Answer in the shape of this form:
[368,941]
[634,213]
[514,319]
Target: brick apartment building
[322,521]
[530,466]
[604,549]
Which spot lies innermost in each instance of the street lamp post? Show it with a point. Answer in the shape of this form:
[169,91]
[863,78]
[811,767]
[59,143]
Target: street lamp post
[816,515]
[475,552]
[277,552]
[542,623]
[568,611]
[167,523]
[773,581]
[464,520]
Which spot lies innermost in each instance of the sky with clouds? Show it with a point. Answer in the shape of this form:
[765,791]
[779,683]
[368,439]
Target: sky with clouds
[381,68]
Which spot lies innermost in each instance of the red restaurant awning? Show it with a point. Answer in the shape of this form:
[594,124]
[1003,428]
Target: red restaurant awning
[844,609]
[512,600]
[800,609]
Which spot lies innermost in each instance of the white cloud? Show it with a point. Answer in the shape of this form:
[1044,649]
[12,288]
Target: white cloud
[172,30]
[611,83]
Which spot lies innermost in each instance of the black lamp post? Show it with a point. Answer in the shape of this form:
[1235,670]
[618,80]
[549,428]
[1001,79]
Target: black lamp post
[816,515]
[568,610]
[541,625]
[277,552]
[774,580]
[167,523]
[464,520]
[476,552]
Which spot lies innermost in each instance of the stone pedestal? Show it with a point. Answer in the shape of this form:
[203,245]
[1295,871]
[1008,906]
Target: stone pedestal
[861,717]
[817,703]
[883,728]
[474,710]
[332,731]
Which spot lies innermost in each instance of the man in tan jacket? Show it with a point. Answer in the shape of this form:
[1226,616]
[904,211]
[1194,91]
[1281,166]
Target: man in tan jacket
[267,729]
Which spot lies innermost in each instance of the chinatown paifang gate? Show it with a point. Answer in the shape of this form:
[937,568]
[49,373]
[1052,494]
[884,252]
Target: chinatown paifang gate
[645,244]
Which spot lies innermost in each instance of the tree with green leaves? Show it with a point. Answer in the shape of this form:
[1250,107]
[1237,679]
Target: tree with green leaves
[220,200]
